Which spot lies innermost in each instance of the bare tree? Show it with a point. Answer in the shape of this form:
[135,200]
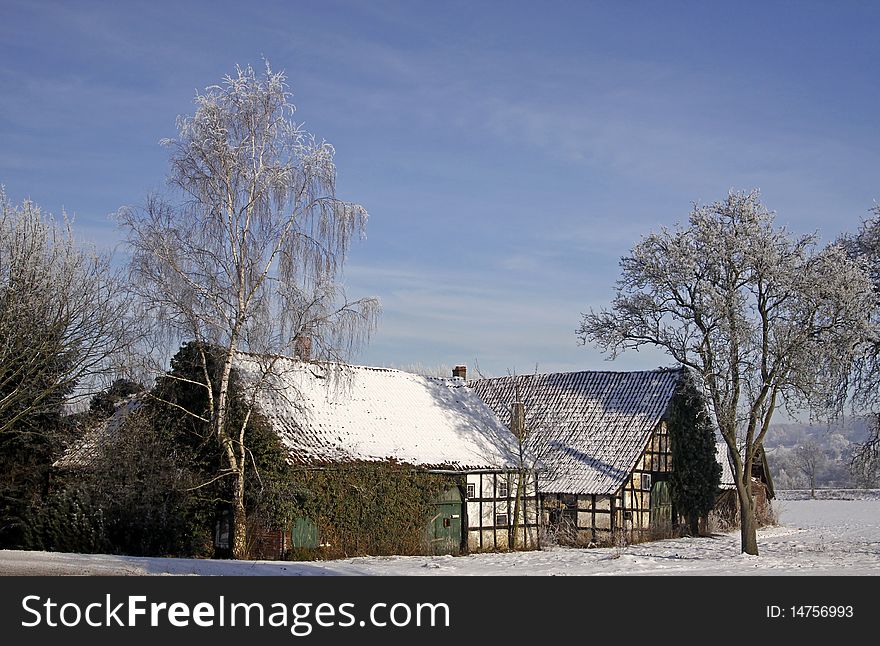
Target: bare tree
[764,318]
[809,459]
[249,257]
[63,318]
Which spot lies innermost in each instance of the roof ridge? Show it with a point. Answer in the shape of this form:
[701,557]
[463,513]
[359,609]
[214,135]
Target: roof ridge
[658,370]
[342,364]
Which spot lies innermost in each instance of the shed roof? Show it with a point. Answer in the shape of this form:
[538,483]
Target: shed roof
[327,413]
[588,428]
[82,453]
[722,455]
[760,470]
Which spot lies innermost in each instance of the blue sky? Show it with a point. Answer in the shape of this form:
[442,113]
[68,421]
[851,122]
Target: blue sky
[508,153]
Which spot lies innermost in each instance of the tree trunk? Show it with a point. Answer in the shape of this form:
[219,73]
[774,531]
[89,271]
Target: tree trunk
[694,524]
[239,519]
[747,523]
[511,540]
[239,516]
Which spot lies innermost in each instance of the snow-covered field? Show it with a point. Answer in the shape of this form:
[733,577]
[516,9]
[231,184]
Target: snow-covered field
[830,494]
[816,537]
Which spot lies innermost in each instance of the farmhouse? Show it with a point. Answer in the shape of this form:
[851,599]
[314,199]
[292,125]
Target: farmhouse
[331,416]
[604,448]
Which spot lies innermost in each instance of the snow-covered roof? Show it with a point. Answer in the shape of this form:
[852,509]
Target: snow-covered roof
[588,428]
[333,413]
[760,470]
[82,453]
[722,454]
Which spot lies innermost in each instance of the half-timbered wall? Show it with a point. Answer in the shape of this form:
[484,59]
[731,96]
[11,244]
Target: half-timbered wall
[490,501]
[591,519]
[581,520]
[633,508]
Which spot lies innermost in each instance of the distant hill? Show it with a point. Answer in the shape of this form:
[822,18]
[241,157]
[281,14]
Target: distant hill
[835,442]
[788,435]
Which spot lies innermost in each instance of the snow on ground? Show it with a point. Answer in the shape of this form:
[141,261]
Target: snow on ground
[815,537]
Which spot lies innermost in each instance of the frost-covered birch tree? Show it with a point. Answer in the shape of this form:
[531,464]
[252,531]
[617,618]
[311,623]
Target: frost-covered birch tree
[765,318]
[63,318]
[249,257]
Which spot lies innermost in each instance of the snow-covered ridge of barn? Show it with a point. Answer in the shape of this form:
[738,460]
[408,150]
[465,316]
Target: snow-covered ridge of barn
[327,413]
[82,453]
[604,443]
[338,413]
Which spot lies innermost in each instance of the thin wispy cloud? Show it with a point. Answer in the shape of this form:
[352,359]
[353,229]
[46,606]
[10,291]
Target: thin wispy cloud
[507,159]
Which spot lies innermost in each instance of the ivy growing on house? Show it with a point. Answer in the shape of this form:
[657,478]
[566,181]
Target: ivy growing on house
[369,508]
[696,473]
[151,485]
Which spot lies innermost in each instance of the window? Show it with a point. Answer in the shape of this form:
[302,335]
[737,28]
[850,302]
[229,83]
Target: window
[646,481]
[501,520]
[503,490]
[471,491]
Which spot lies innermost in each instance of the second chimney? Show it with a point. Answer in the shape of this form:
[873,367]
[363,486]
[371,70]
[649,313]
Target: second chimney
[518,419]
[302,347]
[460,371]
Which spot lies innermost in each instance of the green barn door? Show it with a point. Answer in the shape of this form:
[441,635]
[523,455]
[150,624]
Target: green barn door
[304,533]
[661,506]
[444,528]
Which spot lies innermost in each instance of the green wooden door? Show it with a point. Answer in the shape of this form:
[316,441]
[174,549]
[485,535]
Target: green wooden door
[661,506]
[444,528]
[304,533]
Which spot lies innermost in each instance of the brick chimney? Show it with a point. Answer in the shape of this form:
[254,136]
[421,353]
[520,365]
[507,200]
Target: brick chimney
[517,419]
[460,371]
[302,347]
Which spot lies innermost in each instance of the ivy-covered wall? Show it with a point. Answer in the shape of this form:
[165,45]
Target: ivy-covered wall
[696,473]
[367,508]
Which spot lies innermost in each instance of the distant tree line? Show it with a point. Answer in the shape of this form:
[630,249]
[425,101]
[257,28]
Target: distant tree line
[827,461]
